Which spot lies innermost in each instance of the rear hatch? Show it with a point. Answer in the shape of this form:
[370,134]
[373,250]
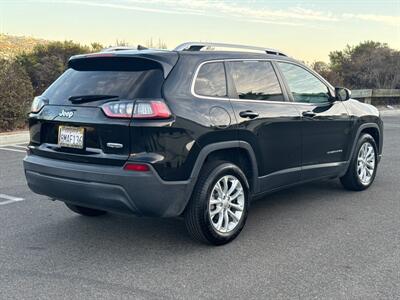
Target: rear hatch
[73,126]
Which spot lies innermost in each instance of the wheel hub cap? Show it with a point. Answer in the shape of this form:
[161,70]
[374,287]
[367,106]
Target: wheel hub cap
[366,163]
[226,204]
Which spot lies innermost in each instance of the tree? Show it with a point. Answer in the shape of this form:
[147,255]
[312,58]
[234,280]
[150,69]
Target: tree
[96,47]
[325,71]
[16,95]
[367,65]
[46,62]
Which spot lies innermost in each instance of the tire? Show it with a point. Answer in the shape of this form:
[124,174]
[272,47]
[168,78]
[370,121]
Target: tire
[200,223]
[353,179]
[85,211]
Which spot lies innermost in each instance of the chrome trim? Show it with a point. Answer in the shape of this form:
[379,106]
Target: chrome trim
[226,204]
[118,48]
[186,46]
[307,167]
[335,151]
[260,101]
[194,81]
[366,163]
[66,113]
[324,165]
[115,145]
[236,99]
[280,172]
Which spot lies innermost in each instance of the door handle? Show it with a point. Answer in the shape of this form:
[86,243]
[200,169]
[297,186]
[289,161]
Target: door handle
[248,114]
[308,114]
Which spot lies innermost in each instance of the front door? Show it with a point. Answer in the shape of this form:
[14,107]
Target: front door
[325,122]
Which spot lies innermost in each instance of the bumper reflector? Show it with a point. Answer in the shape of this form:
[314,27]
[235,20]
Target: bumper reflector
[136,167]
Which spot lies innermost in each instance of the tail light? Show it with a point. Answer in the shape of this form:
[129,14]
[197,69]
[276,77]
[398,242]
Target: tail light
[118,109]
[38,103]
[150,109]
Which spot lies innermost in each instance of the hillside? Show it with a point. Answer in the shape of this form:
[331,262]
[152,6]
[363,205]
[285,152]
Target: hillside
[11,45]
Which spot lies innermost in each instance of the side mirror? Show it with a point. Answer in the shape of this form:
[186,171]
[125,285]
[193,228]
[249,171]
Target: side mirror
[342,94]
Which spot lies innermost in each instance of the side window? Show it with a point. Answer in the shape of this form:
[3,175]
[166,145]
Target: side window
[255,80]
[211,81]
[305,87]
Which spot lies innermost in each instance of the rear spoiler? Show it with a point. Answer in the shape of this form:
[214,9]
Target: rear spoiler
[164,59]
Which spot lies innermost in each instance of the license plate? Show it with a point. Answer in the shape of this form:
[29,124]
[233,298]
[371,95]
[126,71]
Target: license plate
[71,137]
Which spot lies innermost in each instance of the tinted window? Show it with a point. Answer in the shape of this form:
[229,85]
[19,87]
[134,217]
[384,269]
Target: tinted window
[210,80]
[127,82]
[255,80]
[305,87]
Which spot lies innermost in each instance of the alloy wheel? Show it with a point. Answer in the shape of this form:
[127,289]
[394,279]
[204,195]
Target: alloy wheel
[226,204]
[366,163]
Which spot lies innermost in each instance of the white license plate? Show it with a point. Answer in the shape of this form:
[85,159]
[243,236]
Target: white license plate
[71,137]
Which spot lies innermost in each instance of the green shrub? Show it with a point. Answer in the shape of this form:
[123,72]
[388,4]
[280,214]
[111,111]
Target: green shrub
[48,61]
[16,94]
[368,65]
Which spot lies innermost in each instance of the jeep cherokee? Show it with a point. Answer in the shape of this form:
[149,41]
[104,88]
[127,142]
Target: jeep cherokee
[196,132]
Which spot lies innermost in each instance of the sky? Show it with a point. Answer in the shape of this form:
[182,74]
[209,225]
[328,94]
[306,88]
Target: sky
[305,29]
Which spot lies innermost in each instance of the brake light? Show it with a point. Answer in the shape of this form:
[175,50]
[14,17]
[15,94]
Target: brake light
[136,167]
[151,109]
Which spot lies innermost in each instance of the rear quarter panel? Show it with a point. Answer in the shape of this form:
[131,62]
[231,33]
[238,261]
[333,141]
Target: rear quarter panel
[178,143]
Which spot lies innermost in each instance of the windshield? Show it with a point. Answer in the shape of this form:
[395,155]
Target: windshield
[124,84]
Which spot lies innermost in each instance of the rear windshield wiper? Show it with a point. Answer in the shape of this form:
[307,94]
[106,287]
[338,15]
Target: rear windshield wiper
[88,98]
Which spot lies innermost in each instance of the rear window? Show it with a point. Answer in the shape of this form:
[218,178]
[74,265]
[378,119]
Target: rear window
[126,78]
[211,81]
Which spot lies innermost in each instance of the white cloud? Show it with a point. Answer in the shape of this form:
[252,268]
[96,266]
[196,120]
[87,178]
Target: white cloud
[127,7]
[230,9]
[388,20]
[292,16]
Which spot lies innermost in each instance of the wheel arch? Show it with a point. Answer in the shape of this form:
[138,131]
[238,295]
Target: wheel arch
[218,150]
[371,128]
[376,134]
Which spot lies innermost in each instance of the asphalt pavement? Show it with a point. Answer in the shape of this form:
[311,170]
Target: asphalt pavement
[312,241]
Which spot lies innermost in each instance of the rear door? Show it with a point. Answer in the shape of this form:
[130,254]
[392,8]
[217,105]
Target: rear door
[325,122]
[267,120]
[78,129]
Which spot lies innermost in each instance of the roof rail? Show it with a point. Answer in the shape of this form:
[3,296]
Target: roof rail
[120,48]
[197,46]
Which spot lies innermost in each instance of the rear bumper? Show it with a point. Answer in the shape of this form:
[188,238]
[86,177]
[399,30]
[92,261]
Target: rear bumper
[107,188]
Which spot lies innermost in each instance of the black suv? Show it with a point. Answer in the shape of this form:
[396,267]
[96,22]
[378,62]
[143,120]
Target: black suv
[194,132]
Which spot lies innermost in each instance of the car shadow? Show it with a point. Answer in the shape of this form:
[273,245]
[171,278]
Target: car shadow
[117,232]
[299,194]
[127,236]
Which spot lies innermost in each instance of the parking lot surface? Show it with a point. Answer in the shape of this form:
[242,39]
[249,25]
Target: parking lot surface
[312,241]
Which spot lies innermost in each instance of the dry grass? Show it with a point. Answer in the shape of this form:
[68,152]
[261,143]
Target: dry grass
[12,45]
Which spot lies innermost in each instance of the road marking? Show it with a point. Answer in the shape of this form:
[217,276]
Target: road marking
[13,145]
[9,199]
[14,150]
[18,146]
